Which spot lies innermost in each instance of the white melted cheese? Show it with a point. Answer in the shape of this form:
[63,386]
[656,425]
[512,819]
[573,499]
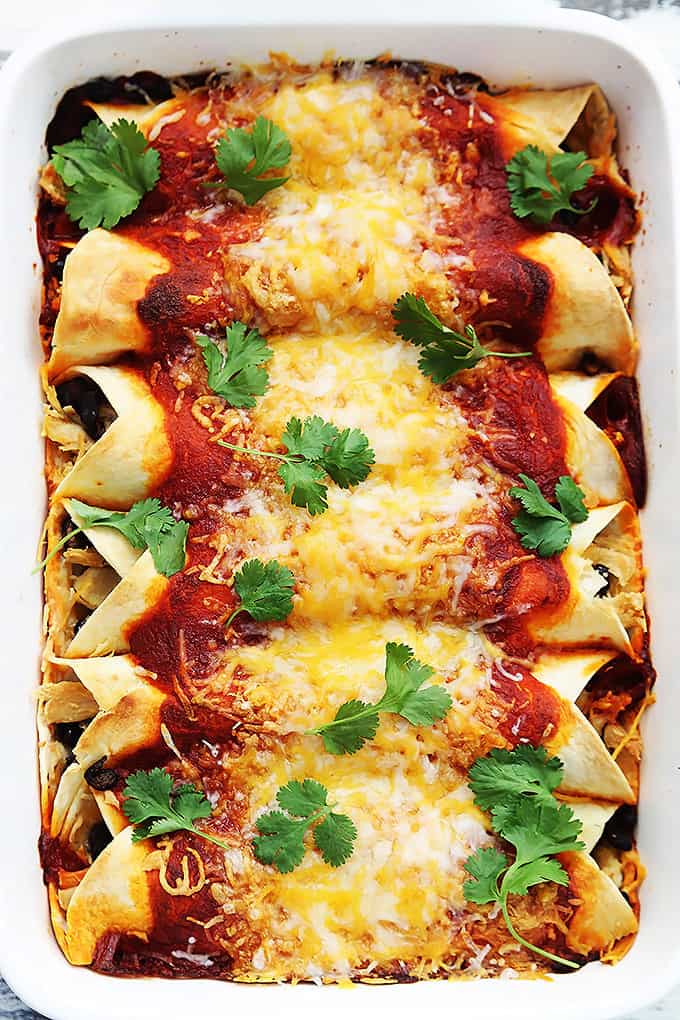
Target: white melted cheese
[354,226]
[299,676]
[416,826]
[396,540]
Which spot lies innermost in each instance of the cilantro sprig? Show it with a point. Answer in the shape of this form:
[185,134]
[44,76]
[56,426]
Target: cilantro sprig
[542,526]
[517,788]
[146,525]
[444,351]
[156,807]
[541,186]
[317,448]
[357,721]
[281,839]
[107,172]
[237,375]
[243,156]
[265,590]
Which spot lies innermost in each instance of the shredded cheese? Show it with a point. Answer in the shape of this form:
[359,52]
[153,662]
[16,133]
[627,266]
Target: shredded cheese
[347,234]
[391,900]
[397,541]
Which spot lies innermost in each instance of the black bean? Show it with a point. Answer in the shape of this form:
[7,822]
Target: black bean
[195,80]
[100,90]
[604,573]
[79,541]
[69,733]
[88,402]
[145,85]
[620,829]
[80,622]
[98,840]
[57,266]
[463,82]
[99,777]
[590,364]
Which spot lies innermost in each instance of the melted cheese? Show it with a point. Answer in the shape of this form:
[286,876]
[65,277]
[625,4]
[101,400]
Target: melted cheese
[416,826]
[397,540]
[355,226]
[298,677]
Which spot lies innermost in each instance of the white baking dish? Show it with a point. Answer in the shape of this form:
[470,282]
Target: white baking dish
[559,48]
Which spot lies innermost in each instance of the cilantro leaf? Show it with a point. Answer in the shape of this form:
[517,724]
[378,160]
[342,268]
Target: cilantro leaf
[302,799]
[571,497]
[107,172]
[348,458]
[281,839]
[334,839]
[166,539]
[155,808]
[147,524]
[148,795]
[422,708]
[541,187]
[416,322]
[129,524]
[538,828]
[543,869]
[302,480]
[445,357]
[355,722]
[237,375]
[533,501]
[504,774]
[542,526]
[404,675]
[317,448]
[486,866]
[545,535]
[265,590]
[243,156]
[517,787]
[310,438]
[444,351]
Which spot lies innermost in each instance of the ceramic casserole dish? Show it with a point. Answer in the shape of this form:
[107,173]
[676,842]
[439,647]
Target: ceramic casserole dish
[554,50]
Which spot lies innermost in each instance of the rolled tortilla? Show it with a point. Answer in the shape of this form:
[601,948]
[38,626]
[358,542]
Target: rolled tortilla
[593,818]
[579,389]
[109,678]
[145,115]
[603,916]
[105,276]
[593,461]
[568,672]
[541,117]
[585,313]
[106,630]
[131,724]
[610,537]
[113,896]
[127,720]
[589,769]
[110,543]
[133,456]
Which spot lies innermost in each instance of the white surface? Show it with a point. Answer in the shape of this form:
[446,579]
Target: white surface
[560,49]
[660,27]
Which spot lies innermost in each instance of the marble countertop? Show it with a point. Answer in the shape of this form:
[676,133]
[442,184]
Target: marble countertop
[16,25]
